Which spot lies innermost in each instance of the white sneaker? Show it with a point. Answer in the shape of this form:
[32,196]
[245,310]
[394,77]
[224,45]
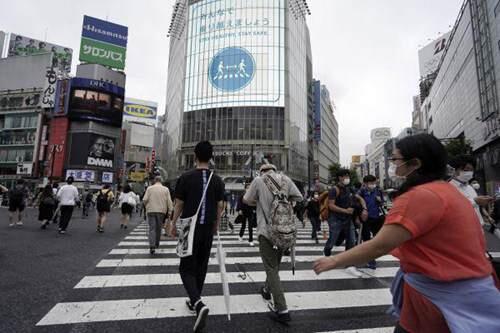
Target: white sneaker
[251,244]
[353,271]
[19,223]
[12,224]
[240,239]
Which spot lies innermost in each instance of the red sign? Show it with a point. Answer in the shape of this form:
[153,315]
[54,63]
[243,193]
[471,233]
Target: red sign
[56,148]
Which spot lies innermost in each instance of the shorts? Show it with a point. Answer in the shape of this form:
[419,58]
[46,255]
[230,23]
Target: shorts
[16,206]
[127,209]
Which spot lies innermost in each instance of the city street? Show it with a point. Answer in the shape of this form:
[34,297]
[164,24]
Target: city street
[90,282]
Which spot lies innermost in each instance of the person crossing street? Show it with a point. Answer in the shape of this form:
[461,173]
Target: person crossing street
[68,198]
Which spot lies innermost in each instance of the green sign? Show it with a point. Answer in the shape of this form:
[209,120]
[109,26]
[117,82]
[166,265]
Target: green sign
[96,52]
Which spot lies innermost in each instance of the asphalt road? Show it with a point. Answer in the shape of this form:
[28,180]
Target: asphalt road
[86,282]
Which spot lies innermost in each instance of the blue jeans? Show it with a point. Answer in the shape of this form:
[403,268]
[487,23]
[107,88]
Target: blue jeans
[336,225]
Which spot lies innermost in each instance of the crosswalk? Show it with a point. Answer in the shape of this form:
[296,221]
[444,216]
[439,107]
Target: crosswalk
[129,288]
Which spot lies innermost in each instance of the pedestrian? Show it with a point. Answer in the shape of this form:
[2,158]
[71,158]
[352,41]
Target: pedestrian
[127,200]
[445,282]
[17,203]
[87,203]
[463,166]
[55,189]
[313,209]
[374,200]
[188,201]
[105,198]
[232,203]
[46,202]
[342,203]
[225,220]
[158,207]
[3,190]
[68,198]
[259,194]
[249,218]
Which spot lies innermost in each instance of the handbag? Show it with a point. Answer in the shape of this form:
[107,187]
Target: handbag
[48,201]
[131,201]
[187,226]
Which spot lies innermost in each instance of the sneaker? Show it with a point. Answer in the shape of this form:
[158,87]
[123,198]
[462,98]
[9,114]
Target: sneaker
[265,293]
[125,227]
[280,317]
[201,316]
[121,226]
[353,271]
[251,243]
[62,232]
[44,226]
[19,223]
[372,265]
[240,239]
[12,224]
[152,250]
[190,307]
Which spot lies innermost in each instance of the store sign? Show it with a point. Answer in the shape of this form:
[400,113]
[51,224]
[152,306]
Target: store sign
[63,89]
[103,43]
[81,175]
[138,176]
[98,85]
[26,46]
[107,177]
[100,153]
[24,169]
[17,101]
[317,111]
[49,91]
[235,54]
[430,55]
[140,111]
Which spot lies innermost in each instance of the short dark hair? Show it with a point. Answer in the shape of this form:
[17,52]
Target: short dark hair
[343,173]
[127,189]
[369,179]
[20,181]
[459,162]
[70,180]
[204,151]
[106,186]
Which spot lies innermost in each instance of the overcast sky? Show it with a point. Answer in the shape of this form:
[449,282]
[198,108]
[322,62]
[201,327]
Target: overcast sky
[365,51]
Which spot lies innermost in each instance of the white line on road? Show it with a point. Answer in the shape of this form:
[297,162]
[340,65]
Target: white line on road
[368,330]
[135,309]
[248,249]
[229,261]
[108,281]
[132,242]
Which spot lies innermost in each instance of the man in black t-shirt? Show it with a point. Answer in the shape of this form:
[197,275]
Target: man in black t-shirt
[188,194]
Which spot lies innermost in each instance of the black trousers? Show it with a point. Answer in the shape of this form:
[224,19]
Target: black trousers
[244,222]
[193,269]
[399,329]
[66,213]
[316,226]
[371,227]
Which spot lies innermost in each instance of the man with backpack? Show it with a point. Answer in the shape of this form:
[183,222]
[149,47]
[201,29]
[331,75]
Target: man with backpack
[343,204]
[374,200]
[17,203]
[273,195]
[104,199]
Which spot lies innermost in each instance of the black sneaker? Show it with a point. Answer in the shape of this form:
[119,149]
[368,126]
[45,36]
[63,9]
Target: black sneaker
[152,250]
[125,227]
[282,318]
[265,293]
[44,226]
[190,307]
[121,226]
[201,317]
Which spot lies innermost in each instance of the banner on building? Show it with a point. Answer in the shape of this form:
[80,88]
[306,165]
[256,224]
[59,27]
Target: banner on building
[430,55]
[107,177]
[63,89]
[103,43]
[100,150]
[25,46]
[81,175]
[140,109]
[137,176]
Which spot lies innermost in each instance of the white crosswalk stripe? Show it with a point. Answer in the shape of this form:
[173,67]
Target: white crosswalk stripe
[130,269]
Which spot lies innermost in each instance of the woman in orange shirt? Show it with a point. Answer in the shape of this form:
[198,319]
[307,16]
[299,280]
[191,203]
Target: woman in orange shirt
[433,230]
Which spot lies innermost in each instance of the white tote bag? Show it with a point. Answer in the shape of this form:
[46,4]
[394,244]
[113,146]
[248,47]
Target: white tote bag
[187,227]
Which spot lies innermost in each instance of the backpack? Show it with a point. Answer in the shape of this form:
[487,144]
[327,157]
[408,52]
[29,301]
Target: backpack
[102,200]
[282,227]
[324,210]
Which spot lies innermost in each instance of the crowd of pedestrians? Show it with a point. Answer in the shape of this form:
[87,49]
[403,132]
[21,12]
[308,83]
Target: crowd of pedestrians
[435,227]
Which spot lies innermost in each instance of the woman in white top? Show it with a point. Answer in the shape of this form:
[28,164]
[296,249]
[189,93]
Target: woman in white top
[127,202]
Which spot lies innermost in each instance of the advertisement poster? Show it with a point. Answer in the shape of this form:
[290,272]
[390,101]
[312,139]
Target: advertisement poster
[24,46]
[100,150]
[103,43]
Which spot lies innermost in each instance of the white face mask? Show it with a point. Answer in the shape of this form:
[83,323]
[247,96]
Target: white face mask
[372,186]
[346,181]
[316,196]
[476,186]
[465,176]
[392,170]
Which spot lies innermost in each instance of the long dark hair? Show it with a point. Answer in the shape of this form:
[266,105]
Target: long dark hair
[432,156]
[47,191]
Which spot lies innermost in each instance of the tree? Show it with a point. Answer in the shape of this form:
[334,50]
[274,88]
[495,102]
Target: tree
[334,168]
[458,146]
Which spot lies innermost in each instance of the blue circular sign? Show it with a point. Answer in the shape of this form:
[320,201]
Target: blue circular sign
[232,69]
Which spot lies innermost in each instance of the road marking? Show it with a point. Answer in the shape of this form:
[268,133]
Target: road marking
[136,280]
[135,309]
[132,242]
[367,330]
[247,249]
[229,261]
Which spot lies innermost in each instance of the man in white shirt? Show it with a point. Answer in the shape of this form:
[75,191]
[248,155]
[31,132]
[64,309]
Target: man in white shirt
[464,172]
[68,198]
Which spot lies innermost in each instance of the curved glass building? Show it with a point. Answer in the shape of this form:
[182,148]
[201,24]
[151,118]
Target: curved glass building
[239,75]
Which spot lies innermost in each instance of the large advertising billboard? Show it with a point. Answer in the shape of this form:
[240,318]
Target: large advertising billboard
[97,101]
[24,46]
[103,43]
[100,150]
[235,54]
[142,135]
[430,55]
[137,108]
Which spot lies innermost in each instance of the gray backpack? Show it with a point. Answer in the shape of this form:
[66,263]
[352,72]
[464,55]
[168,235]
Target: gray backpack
[282,226]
